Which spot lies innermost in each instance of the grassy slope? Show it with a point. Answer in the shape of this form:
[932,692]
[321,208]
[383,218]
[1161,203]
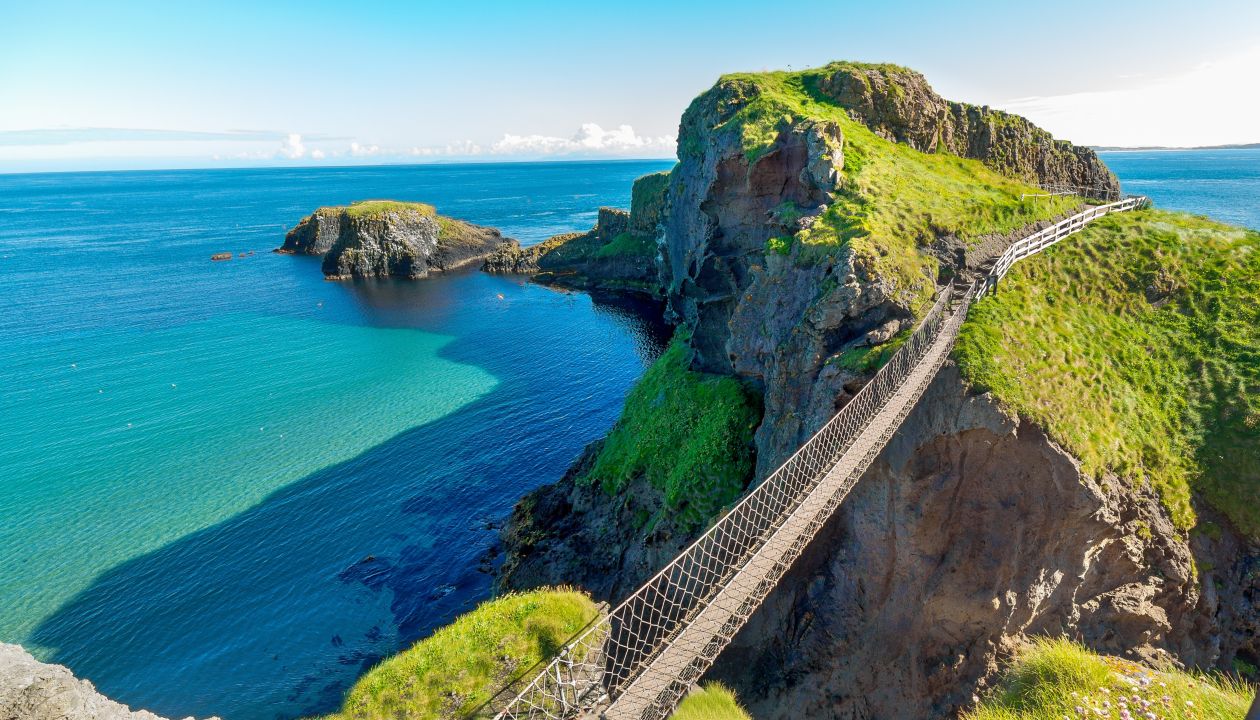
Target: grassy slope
[1169,393]
[1056,679]
[711,702]
[451,672]
[893,199]
[689,434]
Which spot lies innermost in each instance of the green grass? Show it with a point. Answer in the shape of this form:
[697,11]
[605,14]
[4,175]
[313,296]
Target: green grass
[689,434]
[1053,678]
[456,669]
[1165,388]
[893,200]
[713,701]
[375,208]
[628,245]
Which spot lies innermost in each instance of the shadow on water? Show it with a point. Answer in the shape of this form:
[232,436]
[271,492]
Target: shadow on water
[275,611]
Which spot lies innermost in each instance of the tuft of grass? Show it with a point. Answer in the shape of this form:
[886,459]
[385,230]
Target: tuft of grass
[1056,678]
[458,668]
[713,701]
[376,208]
[1136,344]
[688,433]
[893,200]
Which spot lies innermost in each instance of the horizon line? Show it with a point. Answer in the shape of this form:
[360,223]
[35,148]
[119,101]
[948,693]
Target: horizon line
[431,163]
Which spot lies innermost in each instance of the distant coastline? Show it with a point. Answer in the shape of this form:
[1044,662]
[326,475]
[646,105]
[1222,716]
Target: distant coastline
[1235,146]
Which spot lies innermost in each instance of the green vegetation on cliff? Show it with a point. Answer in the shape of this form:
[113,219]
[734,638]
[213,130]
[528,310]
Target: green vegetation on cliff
[377,208]
[892,200]
[713,701]
[1136,344]
[688,433]
[459,667]
[1055,679]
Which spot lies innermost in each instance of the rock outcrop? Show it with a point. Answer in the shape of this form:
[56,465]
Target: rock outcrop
[619,254]
[31,690]
[972,528]
[377,239]
[898,104]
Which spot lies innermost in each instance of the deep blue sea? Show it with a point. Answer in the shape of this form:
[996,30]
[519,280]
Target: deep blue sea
[228,488]
[1222,184]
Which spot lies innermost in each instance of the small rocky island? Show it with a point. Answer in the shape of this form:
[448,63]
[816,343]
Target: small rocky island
[387,238]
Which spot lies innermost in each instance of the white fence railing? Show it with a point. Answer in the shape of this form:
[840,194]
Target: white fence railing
[1043,239]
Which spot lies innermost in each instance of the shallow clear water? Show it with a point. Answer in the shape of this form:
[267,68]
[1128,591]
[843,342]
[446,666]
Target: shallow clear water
[1222,184]
[200,458]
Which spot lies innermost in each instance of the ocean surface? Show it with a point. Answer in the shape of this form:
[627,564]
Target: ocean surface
[1222,184]
[226,488]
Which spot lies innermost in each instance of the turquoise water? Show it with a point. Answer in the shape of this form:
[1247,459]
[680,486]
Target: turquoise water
[1222,184]
[227,488]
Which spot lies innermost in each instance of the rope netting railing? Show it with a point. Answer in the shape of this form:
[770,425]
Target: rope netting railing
[592,669]
[641,658]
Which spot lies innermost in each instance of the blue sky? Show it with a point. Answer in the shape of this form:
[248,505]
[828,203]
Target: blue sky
[95,85]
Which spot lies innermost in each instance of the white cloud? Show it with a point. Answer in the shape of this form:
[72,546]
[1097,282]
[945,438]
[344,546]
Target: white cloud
[358,150]
[590,139]
[1212,104]
[292,147]
[317,154]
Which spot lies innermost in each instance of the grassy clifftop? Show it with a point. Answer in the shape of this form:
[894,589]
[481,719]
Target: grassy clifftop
[892,199]
[458,668]
[687,433]
[366,209]
[1136,344]
[1056,679]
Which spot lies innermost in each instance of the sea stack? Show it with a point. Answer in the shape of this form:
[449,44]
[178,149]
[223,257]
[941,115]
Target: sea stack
[386,238]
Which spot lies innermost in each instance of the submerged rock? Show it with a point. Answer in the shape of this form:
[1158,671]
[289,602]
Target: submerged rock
[32,690]
[378,238]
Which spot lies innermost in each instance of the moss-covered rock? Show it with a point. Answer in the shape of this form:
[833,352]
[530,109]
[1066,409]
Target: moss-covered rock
[387,238]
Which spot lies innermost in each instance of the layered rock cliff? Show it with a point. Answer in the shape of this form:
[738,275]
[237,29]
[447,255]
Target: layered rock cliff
[810,219]
[31,690]
[376,239]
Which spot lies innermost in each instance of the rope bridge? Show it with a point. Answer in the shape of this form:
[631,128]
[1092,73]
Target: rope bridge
[639,660]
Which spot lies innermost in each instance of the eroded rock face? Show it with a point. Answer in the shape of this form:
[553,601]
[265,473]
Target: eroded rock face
[403,240]
[31,690]
[898,104]
[972,529]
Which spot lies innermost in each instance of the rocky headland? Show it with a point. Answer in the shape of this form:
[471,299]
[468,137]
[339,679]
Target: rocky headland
[385,238]
[810,219]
